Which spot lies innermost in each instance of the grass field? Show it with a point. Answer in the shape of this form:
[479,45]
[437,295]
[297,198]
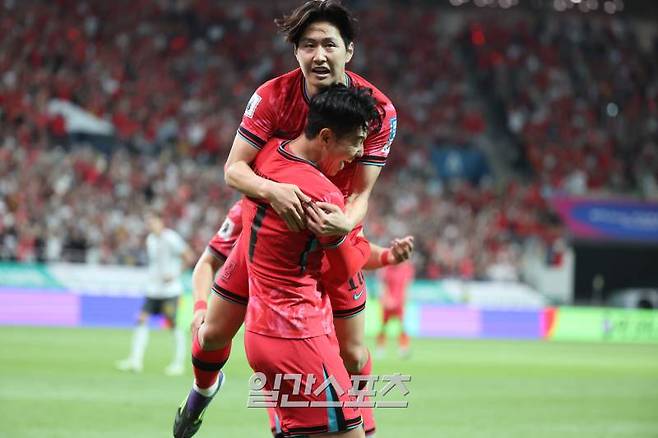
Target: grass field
[61,383]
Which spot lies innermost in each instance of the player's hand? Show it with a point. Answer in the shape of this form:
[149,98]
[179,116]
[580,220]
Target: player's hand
[401,249]
[286,200]
[197,320]
[326,219]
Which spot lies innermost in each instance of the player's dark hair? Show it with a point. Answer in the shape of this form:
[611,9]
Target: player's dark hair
[343,110]
[332,11]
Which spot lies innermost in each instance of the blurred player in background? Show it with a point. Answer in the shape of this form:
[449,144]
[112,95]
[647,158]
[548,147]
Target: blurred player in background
[395,280]
[168,254]
[322,34]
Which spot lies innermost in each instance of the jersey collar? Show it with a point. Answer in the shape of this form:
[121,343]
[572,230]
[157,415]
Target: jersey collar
[290,156]
[307,99]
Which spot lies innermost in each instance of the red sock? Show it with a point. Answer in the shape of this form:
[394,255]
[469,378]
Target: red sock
[381,339]
[404,340]
[207,364]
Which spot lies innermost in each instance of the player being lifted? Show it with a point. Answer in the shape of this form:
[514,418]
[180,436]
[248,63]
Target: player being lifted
[322,34]
[288,331]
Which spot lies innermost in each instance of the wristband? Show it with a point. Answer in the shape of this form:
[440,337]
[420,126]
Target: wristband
[383,258]
[200,305]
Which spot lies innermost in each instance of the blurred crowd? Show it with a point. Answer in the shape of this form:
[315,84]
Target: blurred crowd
[173,77]
[581,95]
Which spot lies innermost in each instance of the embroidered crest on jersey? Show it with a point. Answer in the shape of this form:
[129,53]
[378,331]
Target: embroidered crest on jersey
[252,105]
[391,136]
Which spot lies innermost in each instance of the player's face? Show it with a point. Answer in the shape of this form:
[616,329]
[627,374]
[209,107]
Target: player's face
[154,224]
[341,150]
[322,55]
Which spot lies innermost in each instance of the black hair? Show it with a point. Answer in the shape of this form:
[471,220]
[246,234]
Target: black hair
[343,110]
[332,11]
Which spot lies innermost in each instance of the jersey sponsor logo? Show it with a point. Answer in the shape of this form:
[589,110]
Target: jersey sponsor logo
[356,296]
[252,105]
[391,136]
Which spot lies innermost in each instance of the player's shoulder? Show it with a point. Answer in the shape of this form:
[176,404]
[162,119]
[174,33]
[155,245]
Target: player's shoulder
[302,172]
[359,81]
[236,208]
[281,83]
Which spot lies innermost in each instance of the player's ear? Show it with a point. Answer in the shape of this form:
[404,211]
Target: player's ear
[349,52]
[326,135]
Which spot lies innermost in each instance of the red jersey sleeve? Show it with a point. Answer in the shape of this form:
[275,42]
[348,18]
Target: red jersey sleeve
[346,258]
[222,242]
[260,117]
[378,145]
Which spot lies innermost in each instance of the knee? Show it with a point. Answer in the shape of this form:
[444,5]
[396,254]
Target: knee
[212,337]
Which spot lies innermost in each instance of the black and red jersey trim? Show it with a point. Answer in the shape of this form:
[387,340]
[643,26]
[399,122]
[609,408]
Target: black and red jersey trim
[282,150]
[217,254]
[372,160]
[229,296]
[251,138]
[349,312]
[298,432]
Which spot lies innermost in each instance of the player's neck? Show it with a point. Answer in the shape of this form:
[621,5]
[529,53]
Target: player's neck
[312,91]
[304,148]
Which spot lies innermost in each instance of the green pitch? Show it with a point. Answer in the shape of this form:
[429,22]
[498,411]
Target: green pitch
[62,383]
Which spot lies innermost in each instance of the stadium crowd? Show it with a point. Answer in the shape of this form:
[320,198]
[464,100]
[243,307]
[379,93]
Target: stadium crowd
[173,78]
[581,94]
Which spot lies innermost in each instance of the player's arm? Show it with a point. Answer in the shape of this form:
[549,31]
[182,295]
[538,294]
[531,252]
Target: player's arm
[203,276]
[333,221]
[285,199]
[346,256]
[399,251]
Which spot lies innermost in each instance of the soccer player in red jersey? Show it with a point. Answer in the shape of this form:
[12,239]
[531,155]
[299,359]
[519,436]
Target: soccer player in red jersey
[322,34]
[287,332]
[395,280]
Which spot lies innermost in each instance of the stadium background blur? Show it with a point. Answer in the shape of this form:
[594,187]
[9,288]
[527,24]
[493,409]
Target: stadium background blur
[508,111]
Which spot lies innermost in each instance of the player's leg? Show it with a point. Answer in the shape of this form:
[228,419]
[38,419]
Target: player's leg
[354,433]
[170,311]
[135,361]
[211,344]
[348,302]
[381,336]
[404,342]
[356,357]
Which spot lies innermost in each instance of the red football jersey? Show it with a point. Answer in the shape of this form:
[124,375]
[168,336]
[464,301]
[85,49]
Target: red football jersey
[222,242]
[284,266]
[279,108]
[396,279]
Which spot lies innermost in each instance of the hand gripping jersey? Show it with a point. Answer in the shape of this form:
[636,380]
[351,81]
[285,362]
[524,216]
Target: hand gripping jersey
[284,266]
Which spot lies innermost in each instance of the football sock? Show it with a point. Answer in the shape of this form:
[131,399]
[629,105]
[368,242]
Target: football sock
[404,340]
[179,347]
[140,341]
[207,364]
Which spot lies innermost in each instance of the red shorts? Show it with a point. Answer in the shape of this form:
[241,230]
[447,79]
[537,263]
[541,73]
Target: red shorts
[232,283]
[232,280]
[316,361]
[392,312]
